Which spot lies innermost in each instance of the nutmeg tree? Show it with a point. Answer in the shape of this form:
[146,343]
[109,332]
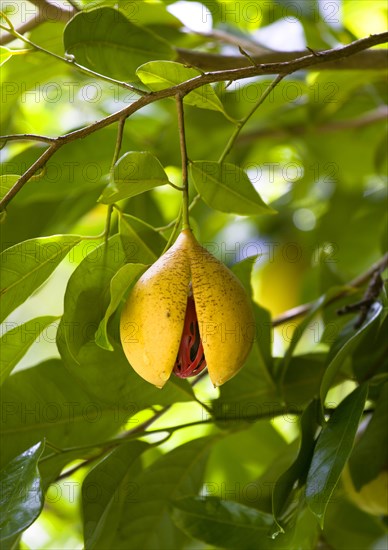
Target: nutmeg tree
[193,221]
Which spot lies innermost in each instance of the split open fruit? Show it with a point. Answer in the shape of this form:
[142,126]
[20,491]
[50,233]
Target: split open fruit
[188,310]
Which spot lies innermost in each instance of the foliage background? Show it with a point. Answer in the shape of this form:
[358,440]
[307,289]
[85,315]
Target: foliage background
[315,150]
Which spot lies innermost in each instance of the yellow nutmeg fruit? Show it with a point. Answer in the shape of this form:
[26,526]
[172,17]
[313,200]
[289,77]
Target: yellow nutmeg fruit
[163,327]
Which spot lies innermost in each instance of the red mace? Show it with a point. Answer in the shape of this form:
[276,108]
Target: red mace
[190,360]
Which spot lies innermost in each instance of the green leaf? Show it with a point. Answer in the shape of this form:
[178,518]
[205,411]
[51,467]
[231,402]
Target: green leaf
[343,346]
[146,522]
[89,37]
[297,335]
[47,402]
[5,55]
[142,244]
[332,451]
[250,393]
[16,341]
[120,283]
[116,383]
[159,75]
[227,188]
[25,266]
[85,173]
[134,173]
[21,499]
[223,523]
[101,488]
[6,182]
[372,448]
[303,378]
[297,471]
[87,293]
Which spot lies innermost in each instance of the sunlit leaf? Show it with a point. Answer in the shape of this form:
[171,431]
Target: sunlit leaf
[16,341]
[158,75]
[89,37]
[120,283]
[25,266]
[226,187]
[142,244]
[5,55]
[134,173]
[6,182]
[87,293]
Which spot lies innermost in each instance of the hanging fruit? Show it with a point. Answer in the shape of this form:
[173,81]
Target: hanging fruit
[187,311]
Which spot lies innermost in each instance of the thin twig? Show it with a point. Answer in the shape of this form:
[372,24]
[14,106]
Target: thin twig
[47,11]
[370,117]
[70,60]
[188,86]
[242,123]
[119,141]
[26,137]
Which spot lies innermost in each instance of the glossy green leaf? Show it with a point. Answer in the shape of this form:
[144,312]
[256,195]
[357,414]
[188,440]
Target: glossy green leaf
[25,266]
[263,329]
[146,522]
[16,341]
[344,345]
[227,188]
[158,75]
[332,451]
[223,523]
[303,378]
[21,499]
[142,244]
[133,174]
[299,468]
[251,393]
[71,173]
[87,293]
[89,37]
[6,182]
[46,401]
[116,383]
[120,284]
[372,448]
[141,13]
[102,487]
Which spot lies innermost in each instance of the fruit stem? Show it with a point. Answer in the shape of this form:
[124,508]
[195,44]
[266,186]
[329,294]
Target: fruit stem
[185,180]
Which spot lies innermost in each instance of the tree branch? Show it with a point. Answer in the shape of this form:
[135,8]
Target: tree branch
[45,12]
[184,88]
[375,59]
[370,117]
[359,281]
